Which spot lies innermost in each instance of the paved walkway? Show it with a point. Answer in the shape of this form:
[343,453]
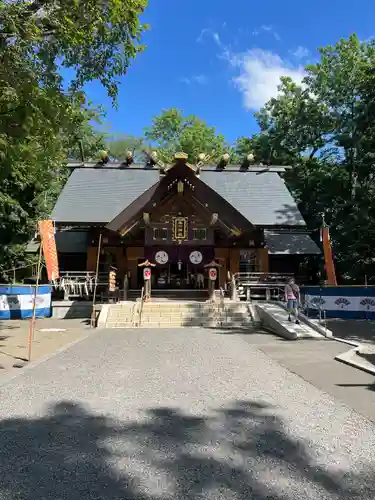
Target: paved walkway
[313,360]
[177,414]
[359,331]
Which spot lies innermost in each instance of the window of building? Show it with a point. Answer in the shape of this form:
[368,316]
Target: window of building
[248,262]
[160,234]
[199,234]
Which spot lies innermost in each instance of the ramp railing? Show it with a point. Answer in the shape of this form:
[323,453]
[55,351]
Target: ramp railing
[303,308]
[258,285]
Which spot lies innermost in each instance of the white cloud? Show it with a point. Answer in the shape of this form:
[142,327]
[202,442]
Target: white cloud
[216,38]
[198,79]
[259,75]
[300,52]
[213,34]
[268,28]
[201,34]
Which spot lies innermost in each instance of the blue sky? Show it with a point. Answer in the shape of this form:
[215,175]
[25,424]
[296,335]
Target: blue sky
[222,60]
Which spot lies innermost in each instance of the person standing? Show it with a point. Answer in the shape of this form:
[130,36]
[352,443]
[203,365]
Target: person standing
[292,298]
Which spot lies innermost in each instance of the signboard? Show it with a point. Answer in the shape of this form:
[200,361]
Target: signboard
[16,302]
[180,229]
[47,236]
[212,273]
[146,273]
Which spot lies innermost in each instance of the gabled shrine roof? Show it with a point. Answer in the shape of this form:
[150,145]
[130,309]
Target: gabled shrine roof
[260,195]
[95,195]
[98,195]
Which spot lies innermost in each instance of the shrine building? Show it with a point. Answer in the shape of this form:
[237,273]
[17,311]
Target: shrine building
[180,217]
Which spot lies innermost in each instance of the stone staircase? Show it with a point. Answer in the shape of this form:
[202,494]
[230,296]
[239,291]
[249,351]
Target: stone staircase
[173,314]
[176,314]
[177,295]
[234,315]
[121,315]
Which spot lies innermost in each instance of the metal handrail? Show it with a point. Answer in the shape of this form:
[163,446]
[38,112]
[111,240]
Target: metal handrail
[304,311]
[141,306]
[126,287]
[133,314]
[222,305]
[8,271]
[261,278]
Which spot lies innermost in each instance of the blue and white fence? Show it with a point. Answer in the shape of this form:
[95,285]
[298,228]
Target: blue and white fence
[340,302]
[16,301]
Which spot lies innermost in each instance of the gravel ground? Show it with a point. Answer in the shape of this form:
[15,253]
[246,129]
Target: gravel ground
[177,414]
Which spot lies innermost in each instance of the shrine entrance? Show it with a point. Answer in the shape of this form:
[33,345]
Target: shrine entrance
[184,225]
[176,273]
[173,276]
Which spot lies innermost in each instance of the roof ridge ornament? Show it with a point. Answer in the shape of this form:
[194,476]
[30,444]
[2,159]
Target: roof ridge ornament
[223,162]
[104,158]
[203,158]
[247,161]
[153,159]
[181,156]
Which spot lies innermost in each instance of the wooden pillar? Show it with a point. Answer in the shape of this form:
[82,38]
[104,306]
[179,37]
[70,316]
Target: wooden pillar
[263,260]
[120,262]
[92,254]
[234,255]
[133,254]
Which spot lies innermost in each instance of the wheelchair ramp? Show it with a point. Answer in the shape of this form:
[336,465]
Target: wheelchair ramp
[274,317]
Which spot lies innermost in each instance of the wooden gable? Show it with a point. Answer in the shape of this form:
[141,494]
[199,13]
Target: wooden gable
[181,187]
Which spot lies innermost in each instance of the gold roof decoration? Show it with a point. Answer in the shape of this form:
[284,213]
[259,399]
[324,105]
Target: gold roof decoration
[181,156]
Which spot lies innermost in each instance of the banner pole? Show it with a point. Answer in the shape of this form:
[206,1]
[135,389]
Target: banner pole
[32,321]
[93,312]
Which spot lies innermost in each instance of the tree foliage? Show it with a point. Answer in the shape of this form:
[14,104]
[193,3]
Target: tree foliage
[172,131]
[325,128]
[118,145]
[40,121]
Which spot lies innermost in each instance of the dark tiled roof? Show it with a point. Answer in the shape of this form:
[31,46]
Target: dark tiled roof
[260,196]
[251,168]
[98,195]
[282,243]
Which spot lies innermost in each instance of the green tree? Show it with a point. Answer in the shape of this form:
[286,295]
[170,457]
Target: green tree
[325,128]
[40,121]
[97,39]
[118,145]
[172,131]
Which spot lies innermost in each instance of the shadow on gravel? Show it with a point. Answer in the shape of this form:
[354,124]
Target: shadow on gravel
[370,387]
[242,452]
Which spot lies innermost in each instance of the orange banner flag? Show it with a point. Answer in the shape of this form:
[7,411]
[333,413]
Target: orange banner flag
[47,236]
[328,258]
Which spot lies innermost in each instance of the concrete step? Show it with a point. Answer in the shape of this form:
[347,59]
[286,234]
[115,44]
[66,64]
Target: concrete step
[176,309]
[178,325]
[120,315]
[171,316]
[119,325]
[119,320]
[235,324]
